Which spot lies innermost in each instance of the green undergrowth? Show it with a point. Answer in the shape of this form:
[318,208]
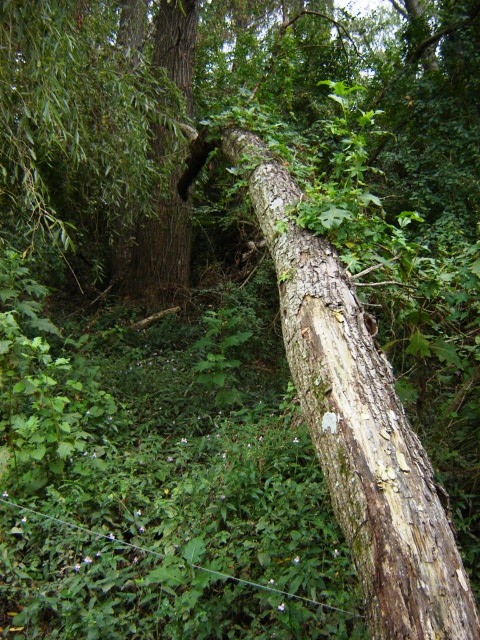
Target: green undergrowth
[158,503]
[246,499]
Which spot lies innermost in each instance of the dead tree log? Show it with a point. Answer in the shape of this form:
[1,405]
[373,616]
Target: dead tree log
[380,479]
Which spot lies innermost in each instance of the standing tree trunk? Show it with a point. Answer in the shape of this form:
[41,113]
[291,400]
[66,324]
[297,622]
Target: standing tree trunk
[380,478]
[157,268]
[418,30]
[131,32]
[130,38]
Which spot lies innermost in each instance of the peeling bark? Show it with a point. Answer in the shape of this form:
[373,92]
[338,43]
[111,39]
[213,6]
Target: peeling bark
[380,478]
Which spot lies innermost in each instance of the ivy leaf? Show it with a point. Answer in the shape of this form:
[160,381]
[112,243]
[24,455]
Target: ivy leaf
[418,345]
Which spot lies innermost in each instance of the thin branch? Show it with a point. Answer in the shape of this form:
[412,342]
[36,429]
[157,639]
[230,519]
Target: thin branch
[435,37]
[365,271]
[379,284]
[147,322]
[399,8]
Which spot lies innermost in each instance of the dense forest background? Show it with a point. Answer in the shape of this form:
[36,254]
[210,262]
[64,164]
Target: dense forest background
[152,463]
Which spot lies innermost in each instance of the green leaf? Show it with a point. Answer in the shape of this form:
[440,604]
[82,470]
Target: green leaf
[5,455]
[39,452]
[446,352]
[236,338]
[418,345]
[194,550]
[5,346]
[475,268]
[340,99]
[333,216]
[45,326]
[407,392]
[59,403]
[218,379]
[65,449]
[369,198]
[65,427]
[167,576]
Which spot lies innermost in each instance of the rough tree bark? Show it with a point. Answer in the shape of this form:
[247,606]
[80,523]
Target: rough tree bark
[155,265]
[380,478]
[414,12]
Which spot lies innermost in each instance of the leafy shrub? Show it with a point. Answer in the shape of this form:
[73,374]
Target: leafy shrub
[51,411]
[224,332]
[242,500]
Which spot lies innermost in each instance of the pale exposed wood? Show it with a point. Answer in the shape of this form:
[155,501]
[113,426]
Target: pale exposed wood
[380,478]
[156,317]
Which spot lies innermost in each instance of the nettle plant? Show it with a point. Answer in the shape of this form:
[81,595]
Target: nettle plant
[52,410]
[216,370]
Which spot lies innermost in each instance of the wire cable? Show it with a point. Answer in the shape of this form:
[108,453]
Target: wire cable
[220,575]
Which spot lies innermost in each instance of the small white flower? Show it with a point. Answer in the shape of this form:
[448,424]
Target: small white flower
[336,553]
[87,560]
[222,497]
[169,459]
[141,529]
[260,438]
[98,554]
[135,560]
[271,581]
[281,607]
[249,446]
[184,441]
[5,494]
[296,440]
[94,455]
[77,567]
[224,455]
[111,536]
[24,519]
[296,560]
[139,512]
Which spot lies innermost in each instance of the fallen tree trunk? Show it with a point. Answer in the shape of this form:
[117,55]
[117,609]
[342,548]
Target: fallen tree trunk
[380,479]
